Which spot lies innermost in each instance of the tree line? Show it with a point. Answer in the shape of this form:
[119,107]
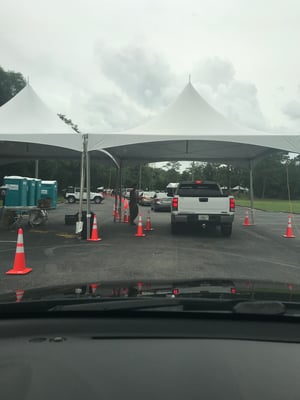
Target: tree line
[273,176]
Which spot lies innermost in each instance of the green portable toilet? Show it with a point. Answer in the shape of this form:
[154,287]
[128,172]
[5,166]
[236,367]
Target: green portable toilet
[38,188]
[49,190]
[17,191]
[31,192]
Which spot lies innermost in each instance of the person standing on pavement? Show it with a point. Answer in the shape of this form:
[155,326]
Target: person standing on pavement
[133,207]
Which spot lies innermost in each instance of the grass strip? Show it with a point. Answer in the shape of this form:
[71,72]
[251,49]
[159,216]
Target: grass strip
[272,205]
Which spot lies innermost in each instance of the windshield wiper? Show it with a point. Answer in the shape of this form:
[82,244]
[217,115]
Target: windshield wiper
[86,304]
[117,304]
[177,304]
[205,305]
[236,307]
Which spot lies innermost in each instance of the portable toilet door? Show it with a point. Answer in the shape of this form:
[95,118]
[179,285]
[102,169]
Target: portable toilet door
[17,191]
[49,190]
[38,188]
[31,192]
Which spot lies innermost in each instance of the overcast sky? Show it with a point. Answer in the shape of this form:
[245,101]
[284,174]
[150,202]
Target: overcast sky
[112,64]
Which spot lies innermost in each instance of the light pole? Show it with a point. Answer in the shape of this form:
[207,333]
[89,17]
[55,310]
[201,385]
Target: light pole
[140,178]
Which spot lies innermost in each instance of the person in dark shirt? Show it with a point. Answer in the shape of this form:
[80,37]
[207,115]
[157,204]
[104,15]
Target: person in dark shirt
[133,207]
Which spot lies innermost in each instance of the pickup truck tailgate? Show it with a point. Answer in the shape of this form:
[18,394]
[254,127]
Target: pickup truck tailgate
[203,205]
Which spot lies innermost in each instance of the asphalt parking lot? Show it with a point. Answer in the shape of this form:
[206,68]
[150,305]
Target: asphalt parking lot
[57,256]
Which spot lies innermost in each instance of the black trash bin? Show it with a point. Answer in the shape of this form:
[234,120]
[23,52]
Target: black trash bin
[71,219]
[84,220]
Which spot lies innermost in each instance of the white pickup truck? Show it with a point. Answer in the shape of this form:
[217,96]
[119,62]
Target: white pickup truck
[202,203]
[73,193]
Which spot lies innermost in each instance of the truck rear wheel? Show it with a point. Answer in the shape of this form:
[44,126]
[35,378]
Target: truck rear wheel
[71,199]
[226,230]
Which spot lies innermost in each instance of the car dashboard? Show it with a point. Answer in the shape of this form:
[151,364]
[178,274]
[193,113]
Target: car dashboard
[149,356]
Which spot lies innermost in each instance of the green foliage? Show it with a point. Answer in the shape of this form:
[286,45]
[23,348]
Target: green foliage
[69,122]
[10,84]
[23,168]
[173,165]
[270,175]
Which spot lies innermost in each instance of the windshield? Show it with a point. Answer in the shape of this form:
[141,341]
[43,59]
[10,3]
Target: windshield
[180,123]
[199,190]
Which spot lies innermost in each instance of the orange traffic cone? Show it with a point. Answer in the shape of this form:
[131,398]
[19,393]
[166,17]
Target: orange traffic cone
[94,237]
[246,220]
[139,232]
[289,229]
[19,267]
[148,223]
[126,219]
[117,215]
[19,295]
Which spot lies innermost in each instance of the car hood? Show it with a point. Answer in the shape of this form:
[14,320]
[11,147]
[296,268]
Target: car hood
[215,288]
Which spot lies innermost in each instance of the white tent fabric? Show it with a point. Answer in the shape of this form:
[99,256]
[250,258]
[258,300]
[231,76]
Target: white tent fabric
[190,129]
[26,119]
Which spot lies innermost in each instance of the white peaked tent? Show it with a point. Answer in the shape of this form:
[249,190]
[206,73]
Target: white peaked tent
[29,129]
[190,129]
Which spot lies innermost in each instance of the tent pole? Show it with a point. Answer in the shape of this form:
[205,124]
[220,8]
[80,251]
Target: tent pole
[117,189]
[120,191]
[36,169]
[251,192]
[88,194]
[109,179]
[82,177]
[140,178]
[229,179]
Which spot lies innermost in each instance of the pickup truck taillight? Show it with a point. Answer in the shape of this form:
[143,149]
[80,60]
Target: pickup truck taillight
[232,204]
[175,203]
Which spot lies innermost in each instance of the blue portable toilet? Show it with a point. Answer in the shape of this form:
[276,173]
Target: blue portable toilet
[17,191]
[49,190]
[31,192]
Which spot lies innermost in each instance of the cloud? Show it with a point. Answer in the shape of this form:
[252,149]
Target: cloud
[214,72]
[237,100]
[135,85]
[107,112]
[142,75]
[142,84]
[292,109]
